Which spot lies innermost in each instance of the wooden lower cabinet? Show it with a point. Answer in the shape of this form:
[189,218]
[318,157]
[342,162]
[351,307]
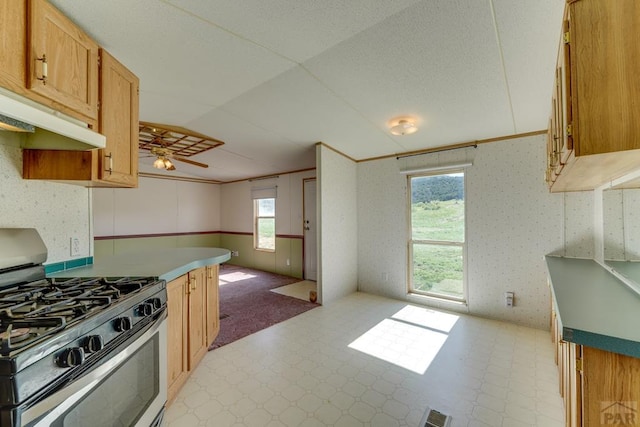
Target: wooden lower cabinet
[197,325]
[598,387]
[213,303]
[177,321]
[611,387]
[192,323]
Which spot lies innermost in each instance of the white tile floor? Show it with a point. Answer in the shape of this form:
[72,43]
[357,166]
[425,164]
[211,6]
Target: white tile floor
[317,370]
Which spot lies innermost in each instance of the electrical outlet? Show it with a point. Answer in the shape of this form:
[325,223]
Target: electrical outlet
[235,253]
[509,299]
[288,261]
[75,246]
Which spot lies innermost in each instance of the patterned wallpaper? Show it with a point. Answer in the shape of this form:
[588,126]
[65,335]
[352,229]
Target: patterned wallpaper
[512,222]
[621,224]
[57,211]
[579,224]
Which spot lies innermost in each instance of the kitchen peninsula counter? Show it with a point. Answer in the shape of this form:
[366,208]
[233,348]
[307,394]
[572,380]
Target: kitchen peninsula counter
[166,263]
[593,306]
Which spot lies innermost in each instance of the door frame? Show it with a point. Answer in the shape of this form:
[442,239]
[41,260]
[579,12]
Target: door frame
[304,234]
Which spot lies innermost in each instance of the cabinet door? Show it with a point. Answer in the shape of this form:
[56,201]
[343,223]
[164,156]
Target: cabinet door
[564,95]
[13,39]
[604,71]
[213,308]
[610,387]
[62,61]
[197,316]
[118,122]
[177,363]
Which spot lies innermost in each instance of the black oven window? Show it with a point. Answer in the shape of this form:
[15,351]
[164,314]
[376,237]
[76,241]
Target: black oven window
[122,397]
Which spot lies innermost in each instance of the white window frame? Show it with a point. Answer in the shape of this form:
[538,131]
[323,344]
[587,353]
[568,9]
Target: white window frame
[256,218]
[411,241]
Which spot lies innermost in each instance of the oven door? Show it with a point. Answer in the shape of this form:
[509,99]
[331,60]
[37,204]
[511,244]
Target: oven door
[128,389]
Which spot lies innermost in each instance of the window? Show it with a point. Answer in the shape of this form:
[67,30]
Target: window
[264,232]
[437,241]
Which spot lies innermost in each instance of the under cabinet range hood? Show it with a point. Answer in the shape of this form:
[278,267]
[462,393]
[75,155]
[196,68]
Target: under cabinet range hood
[45,128]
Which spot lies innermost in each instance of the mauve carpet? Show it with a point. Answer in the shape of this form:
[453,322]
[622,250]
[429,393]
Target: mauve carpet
[247,305]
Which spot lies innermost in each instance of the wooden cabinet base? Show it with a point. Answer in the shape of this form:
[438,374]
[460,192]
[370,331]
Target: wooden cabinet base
[70,167]
[192,323]
[177,360]
[588,172]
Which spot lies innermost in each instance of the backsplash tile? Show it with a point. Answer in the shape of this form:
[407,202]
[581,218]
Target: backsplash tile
[66,265]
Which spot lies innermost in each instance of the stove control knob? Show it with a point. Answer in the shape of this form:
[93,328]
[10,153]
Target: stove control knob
[93,343]
[123,324]
[71,357]
[157,304]
[145,309]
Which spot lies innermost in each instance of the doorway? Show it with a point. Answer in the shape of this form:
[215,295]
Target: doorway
[310,229]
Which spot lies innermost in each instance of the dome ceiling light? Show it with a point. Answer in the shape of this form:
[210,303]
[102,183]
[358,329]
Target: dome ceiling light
[404,126]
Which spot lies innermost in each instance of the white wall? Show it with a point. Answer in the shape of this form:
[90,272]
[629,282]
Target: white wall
[236,205]
[337,225]
[57,211]
[512,222]
[157,206]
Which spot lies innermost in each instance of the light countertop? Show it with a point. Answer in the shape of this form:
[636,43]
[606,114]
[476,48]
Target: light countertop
[594,307]
[164,264]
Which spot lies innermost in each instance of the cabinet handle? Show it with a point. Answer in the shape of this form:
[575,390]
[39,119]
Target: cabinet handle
[43,79]
[187,289]
[195,284]
[110,156]
[210,271]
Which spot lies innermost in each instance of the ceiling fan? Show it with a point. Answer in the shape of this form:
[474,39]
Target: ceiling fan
[168,142]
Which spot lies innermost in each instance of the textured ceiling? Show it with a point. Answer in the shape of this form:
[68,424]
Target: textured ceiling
[271,78]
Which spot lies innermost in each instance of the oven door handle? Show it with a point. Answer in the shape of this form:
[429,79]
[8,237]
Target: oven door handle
[60,401]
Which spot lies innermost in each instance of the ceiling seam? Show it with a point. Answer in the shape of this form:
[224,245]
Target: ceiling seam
[226,30]
[502,64]
[348,104]
[234,34]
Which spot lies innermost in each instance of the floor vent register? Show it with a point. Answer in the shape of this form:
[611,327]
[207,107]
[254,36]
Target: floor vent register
[433,418]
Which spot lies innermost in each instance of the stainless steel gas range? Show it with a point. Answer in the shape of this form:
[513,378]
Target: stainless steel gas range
[77,352]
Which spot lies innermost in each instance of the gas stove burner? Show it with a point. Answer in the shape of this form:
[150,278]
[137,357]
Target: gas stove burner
[21,333]
[15,335]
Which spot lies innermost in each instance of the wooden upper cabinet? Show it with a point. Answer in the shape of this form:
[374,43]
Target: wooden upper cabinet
[594,137]
[13,42]
[116,165]
[119,95]
[62,61]
[605,64]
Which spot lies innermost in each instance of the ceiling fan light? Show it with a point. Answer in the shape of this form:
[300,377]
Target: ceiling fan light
[159,163]
[404,127]
[168,165]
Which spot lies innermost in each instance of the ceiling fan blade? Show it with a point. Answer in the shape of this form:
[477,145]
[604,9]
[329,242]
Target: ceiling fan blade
[192,162]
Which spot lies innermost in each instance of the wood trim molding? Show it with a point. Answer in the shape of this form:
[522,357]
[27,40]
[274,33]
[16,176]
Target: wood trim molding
[289,236]
[271,175]
[459,145]
[140,236]
[240,233]
[336,151]
[178,178]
